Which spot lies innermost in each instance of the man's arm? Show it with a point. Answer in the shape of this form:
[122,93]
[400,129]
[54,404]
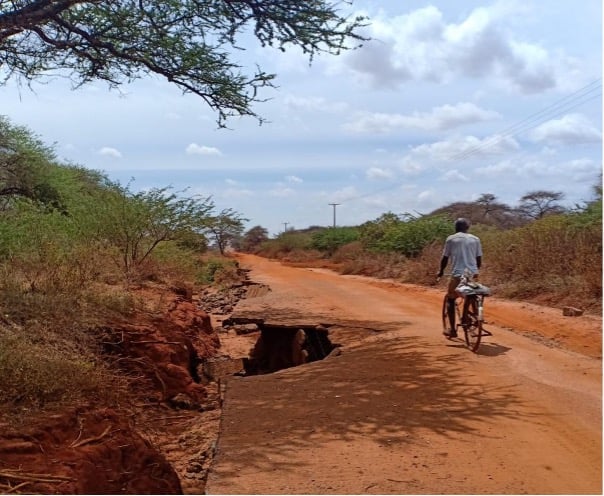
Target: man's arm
[478,261]
[443,263]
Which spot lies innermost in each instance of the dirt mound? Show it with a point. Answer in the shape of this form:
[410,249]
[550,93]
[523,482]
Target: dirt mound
[84,452]
[164,351]
[106,449]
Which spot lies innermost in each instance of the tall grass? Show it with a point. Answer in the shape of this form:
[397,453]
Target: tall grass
[38,371]
[554,255]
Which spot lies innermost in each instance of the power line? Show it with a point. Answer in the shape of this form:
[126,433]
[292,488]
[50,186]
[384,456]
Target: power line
[569,102]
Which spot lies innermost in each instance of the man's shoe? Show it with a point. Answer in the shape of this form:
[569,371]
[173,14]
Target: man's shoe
[450,333]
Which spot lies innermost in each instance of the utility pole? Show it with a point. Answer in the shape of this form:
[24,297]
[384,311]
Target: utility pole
[334,212]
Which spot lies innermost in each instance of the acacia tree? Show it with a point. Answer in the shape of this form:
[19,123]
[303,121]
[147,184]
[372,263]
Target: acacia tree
[187,42]
[225,227]
[136,223]
[537,204]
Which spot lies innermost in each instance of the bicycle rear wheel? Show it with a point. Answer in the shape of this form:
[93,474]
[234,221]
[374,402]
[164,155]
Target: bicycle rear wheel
[472,326]
[446,324]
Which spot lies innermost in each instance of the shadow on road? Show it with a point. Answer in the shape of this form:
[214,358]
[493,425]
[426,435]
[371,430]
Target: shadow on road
[389,391]
[492,349]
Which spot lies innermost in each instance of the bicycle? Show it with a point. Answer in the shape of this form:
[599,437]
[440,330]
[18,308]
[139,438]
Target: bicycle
[469,310]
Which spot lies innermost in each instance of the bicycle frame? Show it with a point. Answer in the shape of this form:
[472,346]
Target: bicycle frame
[469,310]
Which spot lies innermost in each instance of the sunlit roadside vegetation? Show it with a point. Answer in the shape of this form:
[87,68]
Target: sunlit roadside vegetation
[74,247]
[537,250]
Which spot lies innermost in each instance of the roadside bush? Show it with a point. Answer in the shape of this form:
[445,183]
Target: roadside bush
[348,252]
[554,255]
[171,262]
[219,271]
[44,250]
[330,239]
[407,237]
[285,243]
[382,265]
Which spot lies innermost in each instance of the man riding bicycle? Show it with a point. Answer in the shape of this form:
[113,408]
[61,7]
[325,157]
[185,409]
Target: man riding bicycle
[465,251]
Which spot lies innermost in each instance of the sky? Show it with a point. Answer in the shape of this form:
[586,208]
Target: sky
[448,100]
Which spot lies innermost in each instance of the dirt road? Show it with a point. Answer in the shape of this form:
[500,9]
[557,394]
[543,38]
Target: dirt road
[402,410]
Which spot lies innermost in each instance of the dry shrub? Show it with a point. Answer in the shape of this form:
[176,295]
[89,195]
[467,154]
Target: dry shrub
[109,301]
[348,252]
[168,263]
[552,256]
[381,265]
[39,369]
[423,269]
[299,255]
[227,275]
[552,261]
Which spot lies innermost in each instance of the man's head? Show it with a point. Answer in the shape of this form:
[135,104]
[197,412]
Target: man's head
[462,225]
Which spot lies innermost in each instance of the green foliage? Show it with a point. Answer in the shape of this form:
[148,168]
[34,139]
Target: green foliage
[218,271]
[253,238]
[408,236]
[44,250]
[134,224]
[186,42]
[285,243]
[537,204]
[171,262]
[225,227]
[24,165]
[330,239]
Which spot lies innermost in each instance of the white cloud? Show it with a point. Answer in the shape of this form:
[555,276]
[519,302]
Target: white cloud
[314,104]
[195,149]
[499,169]
[526,168]
[341,195]
[378,173]
[466,147]
[234,193]
[423,46]
[454,176]
[293,179]
[440,118]
[281,191]
[411,167]
[429,199]
[568,130]
[108,151]
[584,169]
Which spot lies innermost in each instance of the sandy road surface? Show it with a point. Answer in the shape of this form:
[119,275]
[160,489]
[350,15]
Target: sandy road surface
[404,411]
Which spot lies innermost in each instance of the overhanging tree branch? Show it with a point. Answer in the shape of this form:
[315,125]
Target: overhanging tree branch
[188,43]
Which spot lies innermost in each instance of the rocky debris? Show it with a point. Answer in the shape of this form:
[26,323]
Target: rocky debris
[572,312]
[218,368]
[223,301]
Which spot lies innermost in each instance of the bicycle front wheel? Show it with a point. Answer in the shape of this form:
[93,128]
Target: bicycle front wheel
[472,326]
